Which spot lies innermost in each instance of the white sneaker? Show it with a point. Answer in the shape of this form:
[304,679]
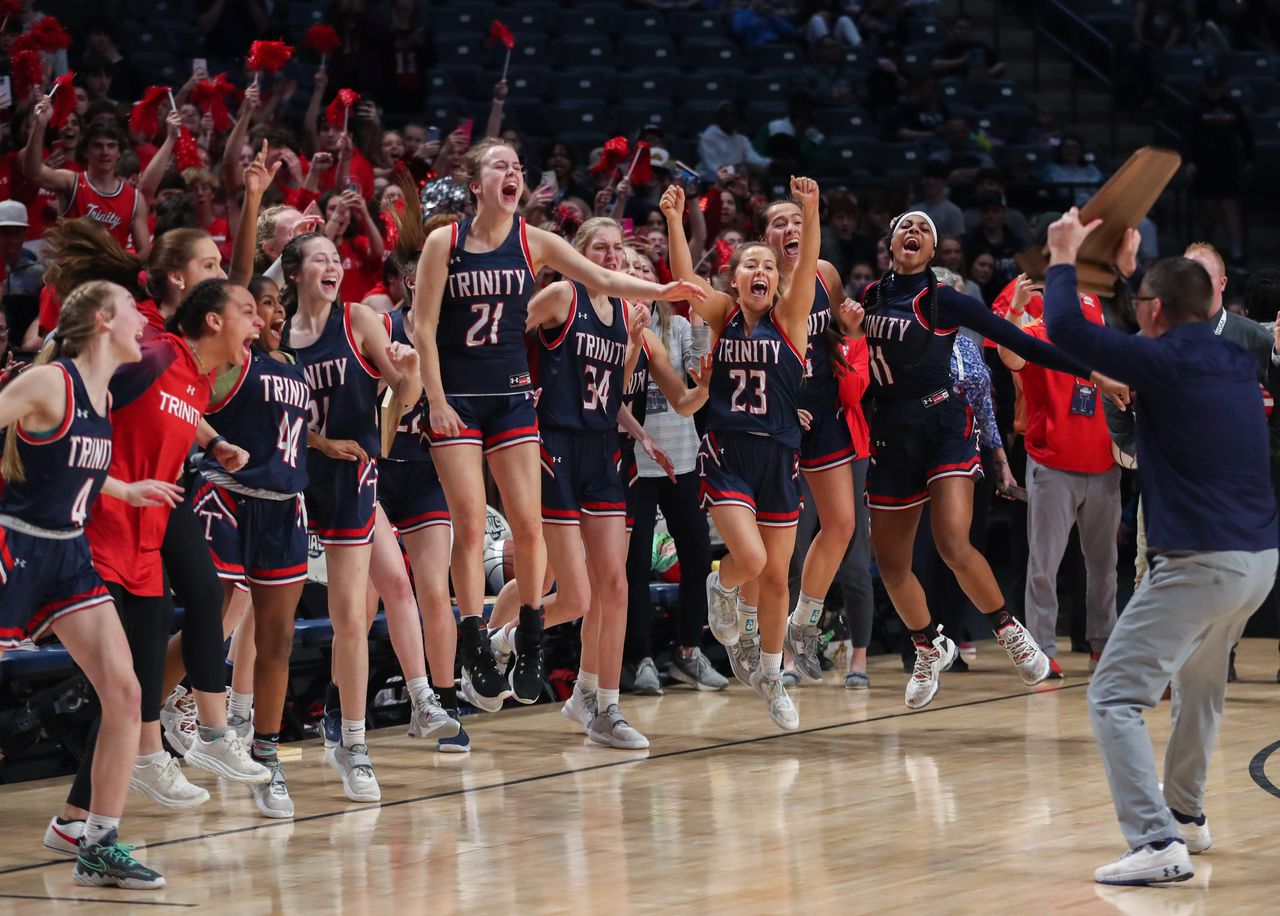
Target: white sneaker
[356,769]
[500,646]
[272,797]
[1148,865]
[1196,836]
[781,708]
[242,726]
[930,663]
[165,784]
[1032,664]
[609,729]
[580,708]
[722,611]
[744,657]
[228,757]
[429,720]
[64,838]
[178,719]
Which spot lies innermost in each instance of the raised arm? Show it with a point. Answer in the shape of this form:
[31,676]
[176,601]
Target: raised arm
[256,181]
[715,309]
[494,127]
[959,309]
[797,301]
[149,183]
[33,167]
[232,173]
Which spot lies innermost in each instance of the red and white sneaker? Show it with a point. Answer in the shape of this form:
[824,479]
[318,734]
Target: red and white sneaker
[1055,670]
[64,837]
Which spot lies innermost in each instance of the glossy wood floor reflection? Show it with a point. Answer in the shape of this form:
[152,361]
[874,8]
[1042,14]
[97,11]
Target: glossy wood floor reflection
[991,800]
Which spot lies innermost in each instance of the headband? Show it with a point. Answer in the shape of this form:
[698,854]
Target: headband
[893,224]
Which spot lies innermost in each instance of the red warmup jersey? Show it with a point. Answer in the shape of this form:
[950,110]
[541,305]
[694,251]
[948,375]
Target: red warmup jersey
[1056,437]
[853,385]
[361,271]
[156,407]
[114,211]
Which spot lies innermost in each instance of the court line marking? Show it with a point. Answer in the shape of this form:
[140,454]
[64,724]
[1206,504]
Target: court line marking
[1257,769]
[94,900]
[540,777]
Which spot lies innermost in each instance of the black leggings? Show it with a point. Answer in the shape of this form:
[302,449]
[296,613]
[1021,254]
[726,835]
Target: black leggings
[189,570]
[688,527]
[147,622]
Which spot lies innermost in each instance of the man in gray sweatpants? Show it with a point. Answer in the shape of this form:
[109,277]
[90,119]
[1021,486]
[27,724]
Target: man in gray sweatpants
[1211,525]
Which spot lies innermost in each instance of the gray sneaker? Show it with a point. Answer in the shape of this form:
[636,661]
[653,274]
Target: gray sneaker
[273,798]
[804,643]
[744,658]
[722,611]
[696,671]
[579,708]
[646,682]
[429,720]
[356,769]
[608,728]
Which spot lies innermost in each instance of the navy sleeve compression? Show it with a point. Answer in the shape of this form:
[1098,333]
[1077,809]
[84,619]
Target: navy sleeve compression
[958,309]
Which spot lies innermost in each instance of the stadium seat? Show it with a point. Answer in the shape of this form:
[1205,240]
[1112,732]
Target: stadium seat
[694,116]
[640,22]
[900,160]
[581,84]
[768,57]
[473,18]
[645,84]
[853,150]
[847,120]
[528,17]
[446,111]
[1009,122]
[454,48]
[647,51]
[713,85]
[454,80]
[527,81]
[771,86]
[758,114]
[713,51]
[986,93]
[686,25]
[580,115]
[1251,64]
[588,20]
[533,50]
[574,51]
[631,115]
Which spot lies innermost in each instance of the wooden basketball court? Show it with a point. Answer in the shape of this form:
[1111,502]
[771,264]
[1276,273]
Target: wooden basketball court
[990,800]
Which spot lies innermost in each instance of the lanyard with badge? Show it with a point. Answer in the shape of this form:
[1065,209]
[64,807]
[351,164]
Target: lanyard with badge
[1084,398]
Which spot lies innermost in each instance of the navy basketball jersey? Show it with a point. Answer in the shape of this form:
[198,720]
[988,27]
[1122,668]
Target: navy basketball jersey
[480,335]
[755,381]
[908,357]
[635,393]
[407,444]
[820,391]
[580,367]
[266,413]
[343,384]
[64,470]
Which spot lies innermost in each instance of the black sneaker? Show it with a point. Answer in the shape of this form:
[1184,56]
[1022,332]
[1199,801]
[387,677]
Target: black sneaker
[525,671]
[108,862]
[484,687]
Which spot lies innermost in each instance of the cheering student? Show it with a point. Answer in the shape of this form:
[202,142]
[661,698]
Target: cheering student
[475,279]
[1211,527]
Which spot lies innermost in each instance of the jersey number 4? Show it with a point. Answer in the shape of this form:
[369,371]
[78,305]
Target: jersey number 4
[749,396]
[485,330]
[80,507]
[597,385]
[289,438]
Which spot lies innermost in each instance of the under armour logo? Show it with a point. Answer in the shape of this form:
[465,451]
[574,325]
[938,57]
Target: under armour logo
[191,390]
[19,563]
[582,315]
[82,414]
[1171,870]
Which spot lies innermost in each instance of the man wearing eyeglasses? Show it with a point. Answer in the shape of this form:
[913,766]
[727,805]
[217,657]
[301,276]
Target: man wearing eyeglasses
[1202,444]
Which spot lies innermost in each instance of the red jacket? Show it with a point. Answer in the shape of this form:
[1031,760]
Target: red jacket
[853,385]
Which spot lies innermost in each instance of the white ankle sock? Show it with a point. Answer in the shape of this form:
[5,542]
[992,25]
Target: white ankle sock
[97,826]
[606,698]
[771,664]
[146,760]
[589,682]
[506,640]
[747,620]
[240,704]
[808,611]
[352,732]
[418,688]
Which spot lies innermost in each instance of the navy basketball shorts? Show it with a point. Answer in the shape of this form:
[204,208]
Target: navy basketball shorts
[826,443]
[580,476]
[756,472]
[630,474]
[492,422]
[43,580]
[253,539]
[411,495]
[341,499]
[913,445]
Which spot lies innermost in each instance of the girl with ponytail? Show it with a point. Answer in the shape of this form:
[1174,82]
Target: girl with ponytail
[56,459]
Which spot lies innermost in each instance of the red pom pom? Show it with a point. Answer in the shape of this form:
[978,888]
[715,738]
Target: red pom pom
[185,153]
[49,35]
[339,109]
[144,118]
[210,97]
[10,8]
[27,71]
[24,42]
[724,251]
[500,34]
[614,154]
[64,100]
[270,56]
[323,39]
[642,171]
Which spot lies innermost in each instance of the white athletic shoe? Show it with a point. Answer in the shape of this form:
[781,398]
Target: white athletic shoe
[609,729]
[1032,664]
[805,645]
[272,797]
[1196,836]
[781,708]
[178,719]
[356,769]
[165,784]
[1148,865]
[580,708]
[64,838]
[242,726]
[500,646]
[930,663]
[431,721]
[722,611]
[744,658]
[228,757]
